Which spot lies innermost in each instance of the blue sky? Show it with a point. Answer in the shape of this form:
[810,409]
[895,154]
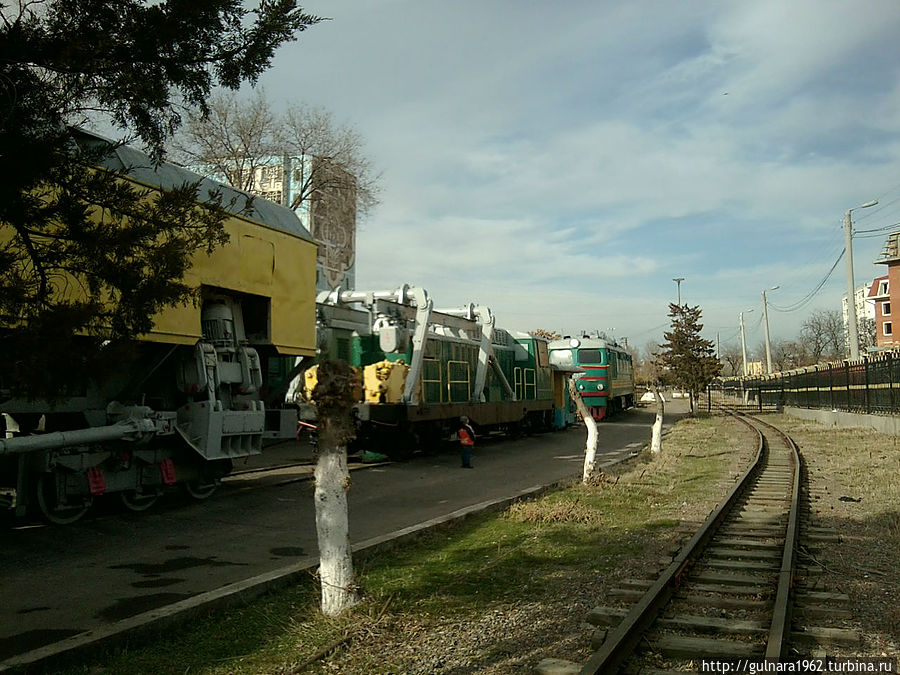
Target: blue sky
[563,162]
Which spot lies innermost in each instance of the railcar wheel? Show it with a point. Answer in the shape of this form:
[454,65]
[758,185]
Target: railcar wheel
[51,499]
[201,488]
[134,500]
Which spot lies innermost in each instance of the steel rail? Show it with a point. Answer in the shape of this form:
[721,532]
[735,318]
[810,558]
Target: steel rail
[621,642]
[781,617]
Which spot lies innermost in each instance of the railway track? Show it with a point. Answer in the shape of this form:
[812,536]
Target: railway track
[741,588]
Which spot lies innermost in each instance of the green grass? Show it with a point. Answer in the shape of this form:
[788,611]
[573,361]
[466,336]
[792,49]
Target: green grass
[529,554]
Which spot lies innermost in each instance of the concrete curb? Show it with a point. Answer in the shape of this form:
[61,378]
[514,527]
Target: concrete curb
[885,424]
[141,626]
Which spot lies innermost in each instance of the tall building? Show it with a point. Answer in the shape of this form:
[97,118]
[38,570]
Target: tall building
[865,315]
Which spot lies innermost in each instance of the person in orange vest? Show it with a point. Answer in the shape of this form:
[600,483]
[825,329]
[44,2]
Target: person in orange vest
[466,435]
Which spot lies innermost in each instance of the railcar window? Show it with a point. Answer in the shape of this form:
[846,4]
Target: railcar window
[561,357]
[594,356]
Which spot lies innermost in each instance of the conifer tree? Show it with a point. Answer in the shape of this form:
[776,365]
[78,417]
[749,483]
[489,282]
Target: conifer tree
[63,225]
[689,358]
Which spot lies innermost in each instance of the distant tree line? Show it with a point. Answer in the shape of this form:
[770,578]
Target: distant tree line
[822,339]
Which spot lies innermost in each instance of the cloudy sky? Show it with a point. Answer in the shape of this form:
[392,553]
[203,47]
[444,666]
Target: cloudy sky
[563,162]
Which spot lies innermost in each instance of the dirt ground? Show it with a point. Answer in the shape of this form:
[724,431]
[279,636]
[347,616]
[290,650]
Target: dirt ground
[853,479]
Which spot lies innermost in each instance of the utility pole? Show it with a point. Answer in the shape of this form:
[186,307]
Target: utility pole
[852,328]
[678,281]
[744,342]
[766,323]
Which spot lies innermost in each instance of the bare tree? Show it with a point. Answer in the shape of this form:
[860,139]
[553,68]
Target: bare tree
[823,334]
[656,431]
[787,354]
[237,137]
[591,473]
[334,399]
[867,332]
[342,166]
[646,368]
[733,355]
[548,335]
[232,141]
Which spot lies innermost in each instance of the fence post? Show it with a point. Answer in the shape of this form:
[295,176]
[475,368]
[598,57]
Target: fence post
[890,369]
[847,378]
[866,375]
[866,379]
[818,391]
[831,384]
[780,402]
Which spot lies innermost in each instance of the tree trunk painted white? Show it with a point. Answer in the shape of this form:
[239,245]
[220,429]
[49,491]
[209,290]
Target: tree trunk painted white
[656,438]
[333,399]
[591,471]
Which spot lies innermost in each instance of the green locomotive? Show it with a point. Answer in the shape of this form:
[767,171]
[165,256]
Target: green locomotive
[422,368]
[606,382]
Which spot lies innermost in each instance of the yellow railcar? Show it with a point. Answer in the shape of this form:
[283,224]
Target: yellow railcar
[194,398]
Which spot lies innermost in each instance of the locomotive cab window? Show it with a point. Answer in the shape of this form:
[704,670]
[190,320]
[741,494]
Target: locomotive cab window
[591,356]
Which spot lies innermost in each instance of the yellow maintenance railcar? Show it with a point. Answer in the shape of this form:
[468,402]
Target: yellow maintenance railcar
[193,398]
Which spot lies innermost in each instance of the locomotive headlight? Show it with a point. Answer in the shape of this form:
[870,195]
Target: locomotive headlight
[599,387]
[581,387]
[574,342]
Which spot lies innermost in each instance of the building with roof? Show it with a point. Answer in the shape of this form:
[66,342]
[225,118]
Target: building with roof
[887,290]
[879,297]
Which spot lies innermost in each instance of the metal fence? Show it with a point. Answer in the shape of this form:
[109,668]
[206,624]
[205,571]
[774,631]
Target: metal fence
[871,385]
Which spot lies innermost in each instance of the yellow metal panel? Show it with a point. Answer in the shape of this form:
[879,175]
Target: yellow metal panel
[258,260]
[385,381]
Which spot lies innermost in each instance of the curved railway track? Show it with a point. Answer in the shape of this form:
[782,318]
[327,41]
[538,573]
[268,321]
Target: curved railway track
[730,591]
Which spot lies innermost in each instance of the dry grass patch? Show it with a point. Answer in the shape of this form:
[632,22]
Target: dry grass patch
[494,594]
[854,478]
[545,511]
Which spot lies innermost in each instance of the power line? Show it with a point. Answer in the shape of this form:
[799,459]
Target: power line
[800,304]
[886,228]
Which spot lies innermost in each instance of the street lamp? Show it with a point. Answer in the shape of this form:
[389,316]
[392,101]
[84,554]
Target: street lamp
[678,281]
[766,323]
[744,340]
[852,328]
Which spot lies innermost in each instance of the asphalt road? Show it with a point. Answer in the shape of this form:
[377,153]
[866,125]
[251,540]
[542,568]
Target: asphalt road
[56,582]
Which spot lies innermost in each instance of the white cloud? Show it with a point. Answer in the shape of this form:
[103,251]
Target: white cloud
[568,162]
